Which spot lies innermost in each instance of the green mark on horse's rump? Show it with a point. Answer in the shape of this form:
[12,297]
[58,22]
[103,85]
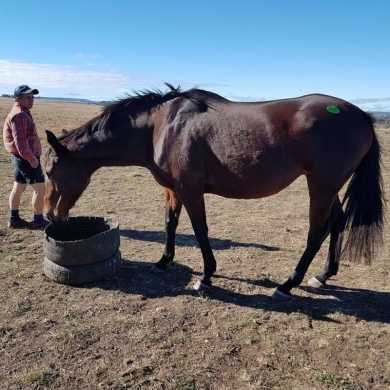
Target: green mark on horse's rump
[333,109]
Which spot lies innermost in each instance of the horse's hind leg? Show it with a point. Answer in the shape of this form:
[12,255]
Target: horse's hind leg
[173,208]
[193,201]
[320,209]
[337,221]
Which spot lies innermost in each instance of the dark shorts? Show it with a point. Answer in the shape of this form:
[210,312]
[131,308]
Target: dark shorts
[25,173]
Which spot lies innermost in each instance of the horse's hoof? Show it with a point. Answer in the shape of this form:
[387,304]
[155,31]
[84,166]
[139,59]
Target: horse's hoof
[280,296]
[156,270]
[314,282]
[199,286]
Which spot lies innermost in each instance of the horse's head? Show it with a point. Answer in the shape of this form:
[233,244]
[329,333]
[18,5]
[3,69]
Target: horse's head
[67,178]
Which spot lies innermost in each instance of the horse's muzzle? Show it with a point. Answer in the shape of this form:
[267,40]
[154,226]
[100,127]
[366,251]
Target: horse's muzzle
[57,218]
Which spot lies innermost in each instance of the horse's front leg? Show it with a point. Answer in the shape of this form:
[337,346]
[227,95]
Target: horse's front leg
[173,208]
[209,263]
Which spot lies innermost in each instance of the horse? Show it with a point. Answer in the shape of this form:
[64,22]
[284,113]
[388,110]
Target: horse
[196,142]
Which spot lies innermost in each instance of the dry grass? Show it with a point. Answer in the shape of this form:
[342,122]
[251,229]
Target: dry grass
[144,331]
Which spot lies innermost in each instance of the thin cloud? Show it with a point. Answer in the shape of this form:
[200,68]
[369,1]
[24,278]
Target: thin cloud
[87,56]
[78,55]
[370,100]
[67,77]
[70,94]
[237,98]
[71,78]
[373,104]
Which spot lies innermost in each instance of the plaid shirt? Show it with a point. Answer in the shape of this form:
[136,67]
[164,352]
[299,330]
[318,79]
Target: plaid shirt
[20,134]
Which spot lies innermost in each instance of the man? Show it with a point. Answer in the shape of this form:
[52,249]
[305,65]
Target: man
[22,141]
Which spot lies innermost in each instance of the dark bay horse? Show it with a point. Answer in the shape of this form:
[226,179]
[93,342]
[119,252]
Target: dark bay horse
[197,142]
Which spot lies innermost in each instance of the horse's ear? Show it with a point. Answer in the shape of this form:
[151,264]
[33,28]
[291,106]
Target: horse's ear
[64,132]
[59,149]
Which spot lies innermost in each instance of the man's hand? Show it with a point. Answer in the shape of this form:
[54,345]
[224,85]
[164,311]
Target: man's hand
[35,163]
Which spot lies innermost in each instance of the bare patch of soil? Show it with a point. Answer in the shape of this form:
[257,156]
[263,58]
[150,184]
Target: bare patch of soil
[138,330]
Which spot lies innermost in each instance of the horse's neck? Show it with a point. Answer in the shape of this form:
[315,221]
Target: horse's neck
[127,143]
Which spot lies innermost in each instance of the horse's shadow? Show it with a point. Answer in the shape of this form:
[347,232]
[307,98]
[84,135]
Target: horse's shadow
[135,278]
[363,304]
[189,240]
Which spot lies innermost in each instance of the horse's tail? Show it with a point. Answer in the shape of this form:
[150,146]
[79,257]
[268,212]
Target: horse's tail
[365,204]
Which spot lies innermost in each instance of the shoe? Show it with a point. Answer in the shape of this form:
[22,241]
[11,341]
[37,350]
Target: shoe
[40,225]
[19,224]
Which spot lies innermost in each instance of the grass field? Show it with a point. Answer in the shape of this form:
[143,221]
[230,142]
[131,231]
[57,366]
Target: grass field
[138,330]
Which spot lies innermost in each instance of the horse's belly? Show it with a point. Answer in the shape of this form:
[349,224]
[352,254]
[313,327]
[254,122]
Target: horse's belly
[252,187]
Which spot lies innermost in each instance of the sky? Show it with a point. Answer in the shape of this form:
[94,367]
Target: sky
[244,50]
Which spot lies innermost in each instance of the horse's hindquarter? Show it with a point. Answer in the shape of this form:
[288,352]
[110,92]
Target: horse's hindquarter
[335,136]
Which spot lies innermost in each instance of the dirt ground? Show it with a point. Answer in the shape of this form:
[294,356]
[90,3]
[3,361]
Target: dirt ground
[138,330]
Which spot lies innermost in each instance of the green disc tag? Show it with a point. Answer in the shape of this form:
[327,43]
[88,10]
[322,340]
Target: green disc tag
[333,109]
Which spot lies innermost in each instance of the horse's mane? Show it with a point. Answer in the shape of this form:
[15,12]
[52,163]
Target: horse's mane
[139,102]
[153,98]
